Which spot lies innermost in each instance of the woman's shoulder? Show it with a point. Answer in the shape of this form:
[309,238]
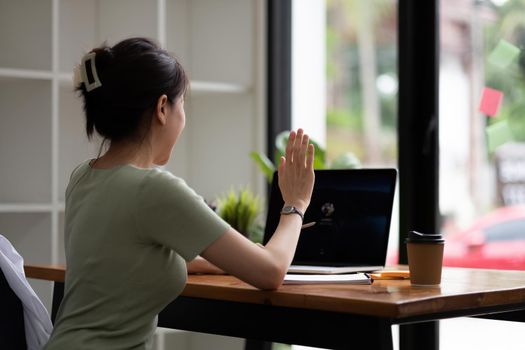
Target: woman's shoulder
[161,181]
[79,169]
[161,186]
[159,176]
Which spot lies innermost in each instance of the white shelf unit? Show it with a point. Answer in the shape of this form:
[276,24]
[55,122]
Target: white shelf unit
[221,43]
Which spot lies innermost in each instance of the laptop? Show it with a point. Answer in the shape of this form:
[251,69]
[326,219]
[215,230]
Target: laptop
[347,224]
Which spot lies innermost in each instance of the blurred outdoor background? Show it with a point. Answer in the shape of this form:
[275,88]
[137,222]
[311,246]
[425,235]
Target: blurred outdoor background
[481,121]
[482,113]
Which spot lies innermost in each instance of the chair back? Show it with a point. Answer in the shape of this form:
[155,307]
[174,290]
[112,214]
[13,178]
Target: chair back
[12,333]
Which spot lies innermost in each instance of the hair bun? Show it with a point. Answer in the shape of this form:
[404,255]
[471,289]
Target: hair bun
[121,86]
[104,57]
[90,72]
[105,52]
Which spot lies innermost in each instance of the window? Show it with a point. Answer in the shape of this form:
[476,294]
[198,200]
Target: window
[481,161]
[344,81]
[482,121]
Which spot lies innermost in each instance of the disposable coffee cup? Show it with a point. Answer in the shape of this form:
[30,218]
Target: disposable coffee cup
[425,258]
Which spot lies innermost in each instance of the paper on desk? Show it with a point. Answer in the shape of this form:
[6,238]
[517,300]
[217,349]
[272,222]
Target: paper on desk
[351,278]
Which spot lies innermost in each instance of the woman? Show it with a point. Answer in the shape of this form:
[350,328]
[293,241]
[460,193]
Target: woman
[133,231]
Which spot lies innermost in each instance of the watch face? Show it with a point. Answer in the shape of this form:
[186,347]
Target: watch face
[288,210]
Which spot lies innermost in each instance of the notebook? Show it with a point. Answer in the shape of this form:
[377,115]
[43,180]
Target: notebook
[351,278]
[348,221]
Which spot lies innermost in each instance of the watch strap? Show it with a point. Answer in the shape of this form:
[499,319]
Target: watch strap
[288,209]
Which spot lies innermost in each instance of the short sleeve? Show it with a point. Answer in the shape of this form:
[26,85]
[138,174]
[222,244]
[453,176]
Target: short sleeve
[170,213]
[75,176]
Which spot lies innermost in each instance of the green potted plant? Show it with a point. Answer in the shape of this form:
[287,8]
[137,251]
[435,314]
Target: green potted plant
[344,161]
[240,208]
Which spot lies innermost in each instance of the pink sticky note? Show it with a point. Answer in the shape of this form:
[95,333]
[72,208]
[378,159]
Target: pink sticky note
[490,101]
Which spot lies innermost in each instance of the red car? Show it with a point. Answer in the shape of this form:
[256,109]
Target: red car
[495,241]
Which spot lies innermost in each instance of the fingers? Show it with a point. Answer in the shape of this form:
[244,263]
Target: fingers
[298,151]
[310,157]
[296,172]
[290,146]
[298,143]
[300,146]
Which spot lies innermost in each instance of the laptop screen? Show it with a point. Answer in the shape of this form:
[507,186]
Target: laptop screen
[351,209]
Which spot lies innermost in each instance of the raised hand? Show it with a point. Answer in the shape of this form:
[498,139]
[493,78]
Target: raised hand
[296,173]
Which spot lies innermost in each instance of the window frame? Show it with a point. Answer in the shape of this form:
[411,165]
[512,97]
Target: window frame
[418,129]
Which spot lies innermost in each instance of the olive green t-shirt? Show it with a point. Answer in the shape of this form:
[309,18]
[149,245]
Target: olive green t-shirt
[128,233]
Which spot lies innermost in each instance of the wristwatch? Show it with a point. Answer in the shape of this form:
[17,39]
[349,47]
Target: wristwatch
[287,210]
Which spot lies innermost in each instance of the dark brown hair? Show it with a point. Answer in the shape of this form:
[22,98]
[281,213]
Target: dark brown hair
[134,73]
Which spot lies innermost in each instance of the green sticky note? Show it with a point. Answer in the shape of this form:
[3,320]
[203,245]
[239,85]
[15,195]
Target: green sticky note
[498,134]
[503,54]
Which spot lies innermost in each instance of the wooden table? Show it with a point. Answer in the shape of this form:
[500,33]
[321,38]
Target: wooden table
[332,315]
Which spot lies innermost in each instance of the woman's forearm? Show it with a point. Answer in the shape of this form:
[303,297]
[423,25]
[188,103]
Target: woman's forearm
[201,265]
[284,241]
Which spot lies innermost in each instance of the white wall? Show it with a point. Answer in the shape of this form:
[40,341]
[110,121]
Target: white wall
[308,67]
[221,43]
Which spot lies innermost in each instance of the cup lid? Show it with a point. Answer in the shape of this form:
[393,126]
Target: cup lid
[418,237]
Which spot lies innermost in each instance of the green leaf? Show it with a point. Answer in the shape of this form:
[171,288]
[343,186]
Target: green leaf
[280,142]
[264,164]
[320,156]
[346,161]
